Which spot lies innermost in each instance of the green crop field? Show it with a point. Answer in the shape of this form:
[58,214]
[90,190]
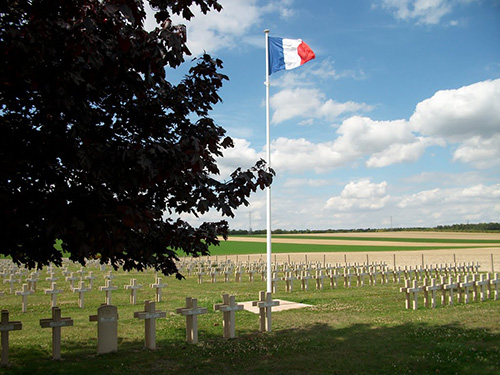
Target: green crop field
[240,248]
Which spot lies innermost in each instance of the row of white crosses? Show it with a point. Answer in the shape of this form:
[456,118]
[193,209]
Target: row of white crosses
[481,287]
[108,288]
[107,323]
[290,272]
[296,271]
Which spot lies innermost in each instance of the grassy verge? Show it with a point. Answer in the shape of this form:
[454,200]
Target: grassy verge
[361,330]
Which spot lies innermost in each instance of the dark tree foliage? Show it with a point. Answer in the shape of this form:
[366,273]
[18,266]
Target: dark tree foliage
[97,148]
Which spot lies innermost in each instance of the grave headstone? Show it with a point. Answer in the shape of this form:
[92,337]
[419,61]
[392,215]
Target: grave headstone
[228,308]
[25,292]
[265,304]
[158,286]
[133,287]
[483,283]
[191,312]
[433,288]
[466,286]
[11,280]
[81,290]
[90,277]
[450,287]
[149,315]
[56,322]
[107,328]
[494,282]
[5,327]
[53,291]
[72,279]
[108,288]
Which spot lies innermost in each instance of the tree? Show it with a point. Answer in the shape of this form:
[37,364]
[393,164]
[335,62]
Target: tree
[97,148]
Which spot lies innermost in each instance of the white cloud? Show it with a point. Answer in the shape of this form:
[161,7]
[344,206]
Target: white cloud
[453,198]
[457,115]
[481,153]
[214,31]
[361,194]
[429,12]
[301,182]
[242,155]
[310,103]
[472,124]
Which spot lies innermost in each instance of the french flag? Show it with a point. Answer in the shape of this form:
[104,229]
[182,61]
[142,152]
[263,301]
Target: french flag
[286,54]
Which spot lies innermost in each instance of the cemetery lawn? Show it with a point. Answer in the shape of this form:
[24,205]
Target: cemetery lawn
[360,330]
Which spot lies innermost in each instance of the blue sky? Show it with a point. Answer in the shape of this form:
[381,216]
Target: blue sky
[395,123]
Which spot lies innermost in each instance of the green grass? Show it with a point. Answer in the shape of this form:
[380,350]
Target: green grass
[361,330]
[375,239]
[236,248]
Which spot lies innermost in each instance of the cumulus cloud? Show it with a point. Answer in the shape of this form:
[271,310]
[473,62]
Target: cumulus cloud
[476,194]
[479,152]
[307,103]
[429,12]
[361,194]
[459,114]
[214,31]
[242,155]
[465,117]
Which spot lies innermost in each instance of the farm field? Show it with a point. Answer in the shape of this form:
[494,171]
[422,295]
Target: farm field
[356,330]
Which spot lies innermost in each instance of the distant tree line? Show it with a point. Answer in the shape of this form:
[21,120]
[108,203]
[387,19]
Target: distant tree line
[480,227]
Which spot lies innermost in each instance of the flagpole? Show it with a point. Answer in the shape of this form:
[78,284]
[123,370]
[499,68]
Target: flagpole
[268,190]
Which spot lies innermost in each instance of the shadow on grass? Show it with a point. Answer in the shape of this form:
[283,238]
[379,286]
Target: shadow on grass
[316,349]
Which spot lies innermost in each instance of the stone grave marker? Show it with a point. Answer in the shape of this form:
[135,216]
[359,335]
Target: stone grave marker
[25,292]
[347,277]
[237,274]
[133,287]
[483,284]
[56,322]
[53,291]
[32,280]
[265,305]
[289,278]
[149,315]
[200,276]
[81,290]
[158,286]
[52,278]
[319,279]
[191,312]
[90,277]
[466,285]
[433,288]
[108,288]
[411,293]
[11,280]
[450,287]
[305,280]
[228,308]
[72,279]
[107,328]
[334,276]
[5,327]
[494,282]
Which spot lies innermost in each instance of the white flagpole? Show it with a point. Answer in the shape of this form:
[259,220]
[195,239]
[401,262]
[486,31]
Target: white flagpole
[268,190]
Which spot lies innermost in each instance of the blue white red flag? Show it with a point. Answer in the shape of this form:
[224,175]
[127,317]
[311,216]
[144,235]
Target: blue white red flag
[286,54]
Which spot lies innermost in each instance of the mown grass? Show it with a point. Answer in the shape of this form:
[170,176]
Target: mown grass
[361,330]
